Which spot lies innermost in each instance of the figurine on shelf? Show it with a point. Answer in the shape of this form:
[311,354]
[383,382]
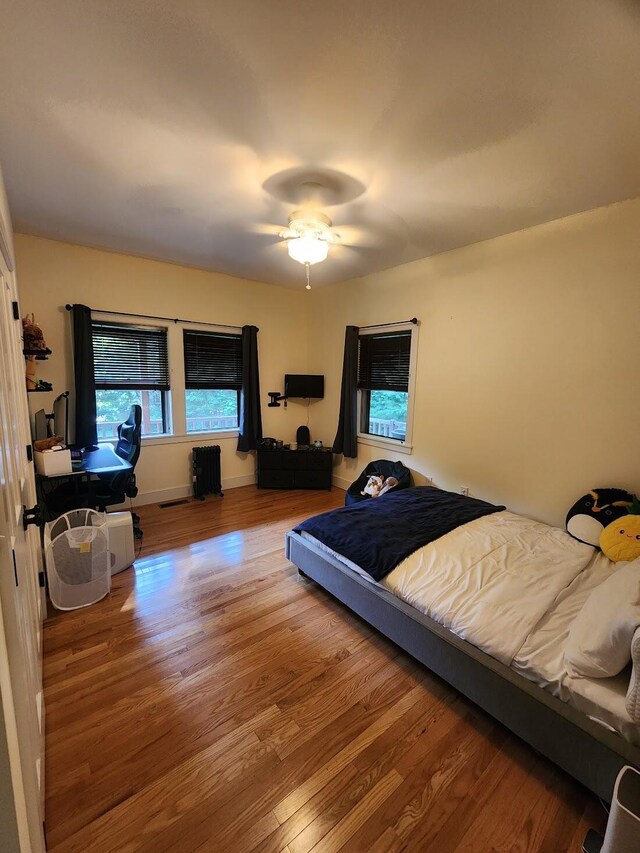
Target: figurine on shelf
[35,349]
[32,334]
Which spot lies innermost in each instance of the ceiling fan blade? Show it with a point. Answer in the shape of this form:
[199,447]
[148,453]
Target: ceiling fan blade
[351,235]
[267,229]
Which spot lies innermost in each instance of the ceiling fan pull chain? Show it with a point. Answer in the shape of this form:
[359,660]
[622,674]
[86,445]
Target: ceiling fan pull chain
[308,269]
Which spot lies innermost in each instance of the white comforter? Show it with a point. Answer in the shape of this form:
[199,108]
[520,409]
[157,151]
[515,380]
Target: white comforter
[491,581]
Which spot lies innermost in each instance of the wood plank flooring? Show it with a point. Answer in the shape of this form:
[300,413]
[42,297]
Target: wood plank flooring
[215,701]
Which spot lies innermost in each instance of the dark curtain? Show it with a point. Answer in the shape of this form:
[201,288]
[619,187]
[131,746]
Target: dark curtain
[250,413]
[86,434]
[346,441]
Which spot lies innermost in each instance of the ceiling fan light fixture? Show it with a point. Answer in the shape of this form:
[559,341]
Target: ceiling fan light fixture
[308,249]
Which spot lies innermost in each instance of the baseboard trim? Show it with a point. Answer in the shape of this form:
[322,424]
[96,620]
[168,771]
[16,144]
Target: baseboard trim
[176,492]
[341,483]
[236,482]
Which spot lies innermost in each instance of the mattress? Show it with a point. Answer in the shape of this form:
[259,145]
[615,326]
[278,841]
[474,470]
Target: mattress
[526,620]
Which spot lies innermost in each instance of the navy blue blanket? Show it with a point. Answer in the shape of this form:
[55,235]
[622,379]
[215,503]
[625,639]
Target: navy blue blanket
[377,534]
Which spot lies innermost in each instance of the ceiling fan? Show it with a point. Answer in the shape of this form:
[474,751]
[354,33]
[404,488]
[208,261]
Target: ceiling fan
[309,234]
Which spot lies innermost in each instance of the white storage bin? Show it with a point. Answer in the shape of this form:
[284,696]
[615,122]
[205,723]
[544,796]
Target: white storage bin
[623,827]
[53,463]
[121,545]
[77,558]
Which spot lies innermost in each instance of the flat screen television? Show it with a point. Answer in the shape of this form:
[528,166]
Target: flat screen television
[304,385]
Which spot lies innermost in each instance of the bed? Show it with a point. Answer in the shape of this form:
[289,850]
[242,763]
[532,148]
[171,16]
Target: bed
[530,578]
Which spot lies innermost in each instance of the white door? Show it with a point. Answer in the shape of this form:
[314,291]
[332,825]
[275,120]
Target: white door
[21,698]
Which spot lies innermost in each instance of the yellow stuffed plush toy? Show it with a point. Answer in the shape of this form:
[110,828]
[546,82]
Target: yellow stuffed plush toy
[620,540]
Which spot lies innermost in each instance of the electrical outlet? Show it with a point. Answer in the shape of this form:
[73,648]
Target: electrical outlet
[464,490]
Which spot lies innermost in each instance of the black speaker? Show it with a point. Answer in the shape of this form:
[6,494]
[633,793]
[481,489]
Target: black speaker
[303,437]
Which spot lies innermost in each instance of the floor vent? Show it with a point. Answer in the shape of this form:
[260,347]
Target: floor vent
[174,503]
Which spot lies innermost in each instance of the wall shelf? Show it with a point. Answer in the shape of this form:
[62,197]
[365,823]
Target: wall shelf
[40,354]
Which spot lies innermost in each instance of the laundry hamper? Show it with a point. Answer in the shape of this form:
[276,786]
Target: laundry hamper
[77,559]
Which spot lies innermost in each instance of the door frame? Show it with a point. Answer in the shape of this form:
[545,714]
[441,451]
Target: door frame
[21,696]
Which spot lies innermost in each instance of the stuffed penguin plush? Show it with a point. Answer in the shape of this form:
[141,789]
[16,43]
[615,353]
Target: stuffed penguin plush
[594,511]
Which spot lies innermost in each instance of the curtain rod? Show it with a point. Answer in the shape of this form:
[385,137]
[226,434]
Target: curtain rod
[413,320]
[153,317]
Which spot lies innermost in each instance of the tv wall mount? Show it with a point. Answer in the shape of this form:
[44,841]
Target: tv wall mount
[276,397]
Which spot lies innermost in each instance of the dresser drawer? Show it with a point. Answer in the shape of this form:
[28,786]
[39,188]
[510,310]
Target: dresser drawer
[270,459]
[312,480]
[272,479]
[294,469]
[319,460]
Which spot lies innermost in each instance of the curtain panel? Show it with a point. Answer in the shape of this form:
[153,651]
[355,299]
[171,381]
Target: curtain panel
[250,420]
[346,440]
[86,434]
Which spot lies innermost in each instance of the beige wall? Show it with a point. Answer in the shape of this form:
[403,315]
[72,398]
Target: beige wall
[528,388]
[51,273]
[527,384]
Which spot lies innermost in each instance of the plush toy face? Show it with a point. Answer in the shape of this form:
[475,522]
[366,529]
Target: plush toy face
[594,511]
[374,484]
[621,539]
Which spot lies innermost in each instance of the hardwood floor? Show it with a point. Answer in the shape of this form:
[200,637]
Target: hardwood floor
[215,701]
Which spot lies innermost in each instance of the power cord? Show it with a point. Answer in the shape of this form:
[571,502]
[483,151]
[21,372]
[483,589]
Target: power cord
[140,538]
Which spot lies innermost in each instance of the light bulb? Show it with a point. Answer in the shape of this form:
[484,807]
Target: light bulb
[307,249]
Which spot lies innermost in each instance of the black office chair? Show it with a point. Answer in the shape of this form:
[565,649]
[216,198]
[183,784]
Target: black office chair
[116,488]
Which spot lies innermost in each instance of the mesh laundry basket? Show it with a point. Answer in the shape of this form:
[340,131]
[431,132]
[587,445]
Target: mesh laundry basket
[77,558]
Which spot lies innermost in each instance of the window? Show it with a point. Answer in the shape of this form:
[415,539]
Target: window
[213,378]
[384,361]
[131,365]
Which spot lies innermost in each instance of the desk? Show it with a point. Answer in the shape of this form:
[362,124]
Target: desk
[63,492]
[104,460]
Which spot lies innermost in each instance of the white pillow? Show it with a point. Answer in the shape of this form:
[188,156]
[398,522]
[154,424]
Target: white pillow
[599,643]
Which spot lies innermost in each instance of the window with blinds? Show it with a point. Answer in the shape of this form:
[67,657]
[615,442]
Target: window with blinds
[384,361]
[213,378]
[212,360]
[130,357]
[131,367]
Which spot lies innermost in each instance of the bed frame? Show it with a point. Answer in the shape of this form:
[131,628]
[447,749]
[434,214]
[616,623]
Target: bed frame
[588,751]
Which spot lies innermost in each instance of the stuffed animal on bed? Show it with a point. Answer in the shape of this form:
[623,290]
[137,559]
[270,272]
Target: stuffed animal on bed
[594,511]
[378,486]
[620,540]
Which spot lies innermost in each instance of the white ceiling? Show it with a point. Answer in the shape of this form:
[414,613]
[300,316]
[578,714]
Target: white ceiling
[162,128]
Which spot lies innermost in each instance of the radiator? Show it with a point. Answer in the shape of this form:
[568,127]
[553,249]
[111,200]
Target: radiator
[206,471]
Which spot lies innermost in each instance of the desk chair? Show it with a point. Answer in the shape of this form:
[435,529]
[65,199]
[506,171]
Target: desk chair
[116,488]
